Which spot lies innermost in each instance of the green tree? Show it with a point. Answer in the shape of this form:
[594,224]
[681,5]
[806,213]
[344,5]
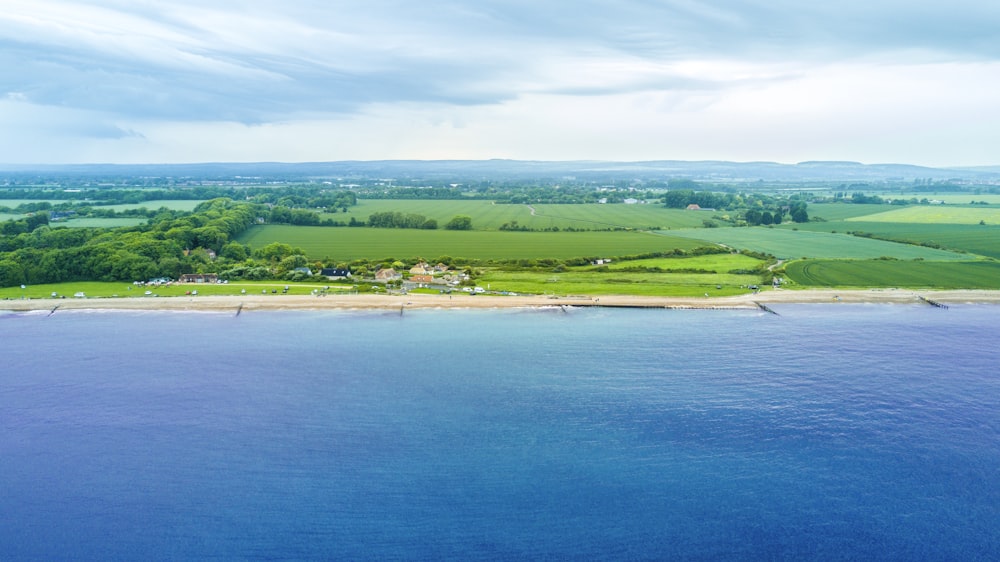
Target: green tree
[459,222]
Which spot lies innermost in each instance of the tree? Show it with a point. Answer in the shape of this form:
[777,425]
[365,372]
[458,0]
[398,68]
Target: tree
[798,212]
[459,222]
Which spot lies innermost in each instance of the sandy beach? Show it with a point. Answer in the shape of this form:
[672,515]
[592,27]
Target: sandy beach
[414,301]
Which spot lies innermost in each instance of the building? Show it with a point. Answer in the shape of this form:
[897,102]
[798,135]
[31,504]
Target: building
[334,273]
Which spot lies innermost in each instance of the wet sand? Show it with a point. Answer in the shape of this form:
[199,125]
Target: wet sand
[243,303]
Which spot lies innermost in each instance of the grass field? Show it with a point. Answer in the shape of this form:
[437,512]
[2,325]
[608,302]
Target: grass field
[719,263]
[87,222]
[101,290]
[786,243]
[172,204]
[589,283]
[936,214]
[880,273]
[972,238]
[489,216]
[346,244]
[8,217]
[842,211]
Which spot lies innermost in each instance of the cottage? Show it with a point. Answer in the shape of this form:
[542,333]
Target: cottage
[387,274]
[421,269]
[335,273]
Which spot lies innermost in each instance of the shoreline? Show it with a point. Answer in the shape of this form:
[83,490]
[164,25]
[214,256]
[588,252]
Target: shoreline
[243,303]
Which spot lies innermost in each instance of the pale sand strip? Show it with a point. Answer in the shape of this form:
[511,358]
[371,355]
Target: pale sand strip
[244,303]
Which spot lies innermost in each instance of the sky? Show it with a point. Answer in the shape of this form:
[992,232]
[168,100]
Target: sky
[178,81]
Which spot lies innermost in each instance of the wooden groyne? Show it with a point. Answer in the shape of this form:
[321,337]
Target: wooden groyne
[765,308]
[932,303]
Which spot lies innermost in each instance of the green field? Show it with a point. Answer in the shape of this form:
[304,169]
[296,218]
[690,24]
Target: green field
[936,214]
[9,217]
[881,273]
[643,284]
[786,243]
[87,222]
[186,205]
[347,244]
[972,238]
[489,216]
[842,211]
[104,290]
[719,263]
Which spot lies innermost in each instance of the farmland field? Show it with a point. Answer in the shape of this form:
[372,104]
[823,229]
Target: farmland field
[787,244]
[8,217]
[972,238]
[936,214]
[842,211]
[377,243]
[887,273]
[186,205]
[489,216]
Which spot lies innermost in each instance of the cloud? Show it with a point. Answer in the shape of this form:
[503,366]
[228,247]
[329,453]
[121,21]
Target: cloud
[130,75]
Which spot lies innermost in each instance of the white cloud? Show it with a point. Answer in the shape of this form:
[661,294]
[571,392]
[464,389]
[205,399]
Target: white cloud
[263,80]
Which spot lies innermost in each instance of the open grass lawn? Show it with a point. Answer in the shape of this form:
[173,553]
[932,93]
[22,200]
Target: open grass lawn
[936,214]
[880,273]
[719,263]
[785,243]
[617,283]
[87,222]
[9,217]
[95,289]
[346,244]
[972,238]
[489,216]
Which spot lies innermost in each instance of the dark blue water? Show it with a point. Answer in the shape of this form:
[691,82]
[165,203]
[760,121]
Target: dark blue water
[829,432]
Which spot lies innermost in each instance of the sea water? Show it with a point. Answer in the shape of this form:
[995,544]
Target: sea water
[824,432]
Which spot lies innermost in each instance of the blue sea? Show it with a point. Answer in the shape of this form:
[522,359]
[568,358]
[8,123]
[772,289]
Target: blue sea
[831,432]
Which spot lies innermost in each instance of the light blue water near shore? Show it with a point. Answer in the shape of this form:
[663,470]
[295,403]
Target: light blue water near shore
[829,432]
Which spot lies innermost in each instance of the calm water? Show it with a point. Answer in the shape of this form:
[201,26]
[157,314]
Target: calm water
[829,432]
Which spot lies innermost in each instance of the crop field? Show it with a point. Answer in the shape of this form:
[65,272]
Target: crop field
[8,217]
[376,243]
[186,205]
[842,211]
[972,238]
[489,216]
[936,214]
[785,243]
[617,283]
[11,203]
[888,273]
[961,198]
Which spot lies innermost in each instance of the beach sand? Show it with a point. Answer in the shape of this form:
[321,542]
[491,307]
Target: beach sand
[414,301]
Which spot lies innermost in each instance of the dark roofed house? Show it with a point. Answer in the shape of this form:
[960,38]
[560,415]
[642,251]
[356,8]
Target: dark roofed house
[335,273]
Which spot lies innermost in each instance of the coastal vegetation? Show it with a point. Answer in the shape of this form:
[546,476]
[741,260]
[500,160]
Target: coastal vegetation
[676,237]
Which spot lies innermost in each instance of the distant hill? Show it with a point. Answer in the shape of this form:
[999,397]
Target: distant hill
[498,170]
